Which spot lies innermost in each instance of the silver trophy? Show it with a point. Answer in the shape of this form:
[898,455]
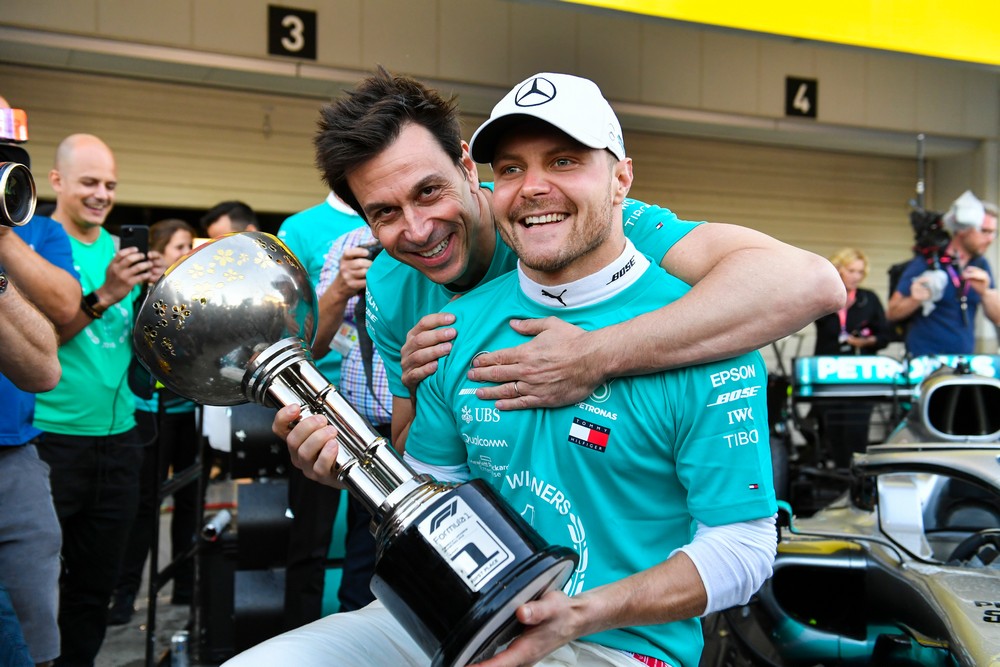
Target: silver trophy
[226,325]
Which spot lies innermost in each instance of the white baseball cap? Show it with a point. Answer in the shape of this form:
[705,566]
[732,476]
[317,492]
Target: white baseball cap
[569,103]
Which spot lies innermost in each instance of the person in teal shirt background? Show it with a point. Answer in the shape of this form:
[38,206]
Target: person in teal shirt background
[309,235]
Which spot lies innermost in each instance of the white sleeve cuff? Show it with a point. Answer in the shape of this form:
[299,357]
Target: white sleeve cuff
[454,473]
[733,560]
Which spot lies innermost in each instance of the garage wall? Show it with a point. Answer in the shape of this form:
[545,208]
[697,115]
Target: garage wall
[498,42]
[821,201]
[190,146]
[176,145]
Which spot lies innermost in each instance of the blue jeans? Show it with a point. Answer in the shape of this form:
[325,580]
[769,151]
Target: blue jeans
[30,540]
[13,648]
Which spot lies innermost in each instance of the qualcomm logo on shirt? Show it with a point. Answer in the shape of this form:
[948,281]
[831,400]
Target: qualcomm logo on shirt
[479,441]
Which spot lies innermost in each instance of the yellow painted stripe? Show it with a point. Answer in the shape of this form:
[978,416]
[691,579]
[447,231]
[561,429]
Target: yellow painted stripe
[967,30]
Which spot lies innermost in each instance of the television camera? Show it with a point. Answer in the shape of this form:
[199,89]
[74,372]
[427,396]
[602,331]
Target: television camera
[16,182]
[930,235]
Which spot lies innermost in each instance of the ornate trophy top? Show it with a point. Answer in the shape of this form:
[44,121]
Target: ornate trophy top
[216,309]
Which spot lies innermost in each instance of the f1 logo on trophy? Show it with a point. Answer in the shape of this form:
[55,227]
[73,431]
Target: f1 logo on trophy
[226,325]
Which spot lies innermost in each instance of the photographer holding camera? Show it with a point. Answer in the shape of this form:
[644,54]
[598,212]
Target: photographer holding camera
[39,291]
[942,292]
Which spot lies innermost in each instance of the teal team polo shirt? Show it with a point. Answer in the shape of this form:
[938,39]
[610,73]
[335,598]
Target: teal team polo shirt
[620,477]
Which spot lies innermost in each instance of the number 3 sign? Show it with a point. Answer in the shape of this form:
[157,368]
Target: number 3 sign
[291,32]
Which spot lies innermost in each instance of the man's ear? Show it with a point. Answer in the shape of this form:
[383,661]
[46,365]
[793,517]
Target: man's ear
[622,171]
[469,166]
[55,180]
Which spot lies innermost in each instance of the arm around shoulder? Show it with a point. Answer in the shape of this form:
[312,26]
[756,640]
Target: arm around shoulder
[748,289]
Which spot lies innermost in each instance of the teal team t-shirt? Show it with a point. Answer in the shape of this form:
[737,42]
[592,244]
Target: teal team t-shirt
[93,397]
[621,476]
[399,295]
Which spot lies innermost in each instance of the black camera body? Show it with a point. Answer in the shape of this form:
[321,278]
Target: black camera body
[929,233]
[16,185]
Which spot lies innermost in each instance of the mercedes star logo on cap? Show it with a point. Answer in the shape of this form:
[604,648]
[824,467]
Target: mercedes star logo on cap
[534,93]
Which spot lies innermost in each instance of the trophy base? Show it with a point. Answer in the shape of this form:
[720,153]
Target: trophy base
[455,575]
[492,623]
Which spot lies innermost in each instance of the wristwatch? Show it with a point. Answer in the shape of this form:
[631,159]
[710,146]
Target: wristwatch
[91,304]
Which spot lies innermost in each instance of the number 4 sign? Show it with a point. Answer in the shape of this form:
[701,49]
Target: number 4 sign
[291,32]
[801,97]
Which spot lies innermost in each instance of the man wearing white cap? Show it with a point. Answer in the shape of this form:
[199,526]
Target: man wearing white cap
[669,505]
[949,295]
[392,149]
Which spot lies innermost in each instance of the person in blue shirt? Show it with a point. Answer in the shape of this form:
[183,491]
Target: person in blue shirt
[943,300]
[40,294]
[37,281]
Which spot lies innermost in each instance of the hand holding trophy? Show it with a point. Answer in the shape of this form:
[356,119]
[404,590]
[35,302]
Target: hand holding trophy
[226,325]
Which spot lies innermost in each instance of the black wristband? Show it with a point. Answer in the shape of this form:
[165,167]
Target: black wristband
[90,304]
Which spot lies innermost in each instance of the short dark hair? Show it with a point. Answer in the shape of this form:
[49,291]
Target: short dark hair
[161,232]
[240,214]
[360,125]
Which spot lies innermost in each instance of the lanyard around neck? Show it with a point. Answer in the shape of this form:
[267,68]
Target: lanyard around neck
[842,313]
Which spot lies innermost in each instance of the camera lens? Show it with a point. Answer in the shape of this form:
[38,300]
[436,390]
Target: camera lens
[18,189]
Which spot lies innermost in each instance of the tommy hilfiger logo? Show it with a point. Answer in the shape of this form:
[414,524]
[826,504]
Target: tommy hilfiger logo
[557,297]
[588,434]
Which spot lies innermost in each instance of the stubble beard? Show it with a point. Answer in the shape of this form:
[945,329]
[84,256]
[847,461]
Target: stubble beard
[586,236]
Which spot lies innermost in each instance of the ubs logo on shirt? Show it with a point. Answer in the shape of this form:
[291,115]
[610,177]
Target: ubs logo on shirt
[480,415]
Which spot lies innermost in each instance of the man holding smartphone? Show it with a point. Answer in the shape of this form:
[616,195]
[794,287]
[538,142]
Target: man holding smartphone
[89,436]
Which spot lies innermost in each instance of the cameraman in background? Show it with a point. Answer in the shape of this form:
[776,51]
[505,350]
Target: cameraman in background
[36,278]
[942,291]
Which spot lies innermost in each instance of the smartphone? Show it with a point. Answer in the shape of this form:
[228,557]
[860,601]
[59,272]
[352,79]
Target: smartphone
[135,236]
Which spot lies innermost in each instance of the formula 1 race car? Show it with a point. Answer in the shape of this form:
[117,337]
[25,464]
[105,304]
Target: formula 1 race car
[904,567]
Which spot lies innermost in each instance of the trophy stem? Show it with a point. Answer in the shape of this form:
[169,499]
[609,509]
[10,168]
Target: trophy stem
[283,374]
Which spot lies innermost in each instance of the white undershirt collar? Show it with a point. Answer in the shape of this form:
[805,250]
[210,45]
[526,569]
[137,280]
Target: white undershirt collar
[338,205]
[597,287]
